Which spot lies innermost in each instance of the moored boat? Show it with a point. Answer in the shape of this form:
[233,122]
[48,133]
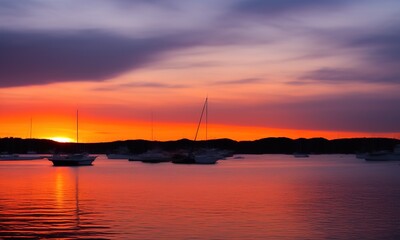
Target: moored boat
[300,155]
[208,156]
[119,156]
[384,155]
[80,159]
[202,156]
[153,156]
[76,159]
[13,157]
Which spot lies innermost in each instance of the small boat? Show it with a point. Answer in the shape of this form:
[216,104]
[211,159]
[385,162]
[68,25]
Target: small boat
[203,156]
[300,155]
[119,156]
[154,156]
[79,159]
[361,155]
[76,159]
[183,158]
[120,153]
[384,155]
[208,156]
[13,157]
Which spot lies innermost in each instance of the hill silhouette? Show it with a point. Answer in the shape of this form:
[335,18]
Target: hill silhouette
[280,145]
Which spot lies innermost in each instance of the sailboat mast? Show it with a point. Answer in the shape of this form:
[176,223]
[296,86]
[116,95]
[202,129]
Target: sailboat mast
[206,118]
[30,130]
[152,135]
[77,127]
[201,117]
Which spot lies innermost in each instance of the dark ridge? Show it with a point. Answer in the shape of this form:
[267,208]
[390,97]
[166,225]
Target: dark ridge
[279,145]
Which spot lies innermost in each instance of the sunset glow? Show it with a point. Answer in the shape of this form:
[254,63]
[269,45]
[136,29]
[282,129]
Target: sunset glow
[61,139]
[142,70]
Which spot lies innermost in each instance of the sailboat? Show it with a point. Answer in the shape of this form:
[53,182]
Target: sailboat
[29,156]
[384,155]
[76,159]
[151,156]
[12,157]
[203,156]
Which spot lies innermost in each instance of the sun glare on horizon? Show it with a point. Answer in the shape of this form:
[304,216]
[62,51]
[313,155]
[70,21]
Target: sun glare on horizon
[61,139]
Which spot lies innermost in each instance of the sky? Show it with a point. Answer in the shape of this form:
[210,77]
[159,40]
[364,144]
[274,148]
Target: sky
[141,69]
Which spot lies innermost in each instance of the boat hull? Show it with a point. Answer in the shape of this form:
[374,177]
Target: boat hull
[155,160]
[18,158]
[119,156]
[151,157]
[301,155]
[205,159]
[72,163]
[72,160]
[387,157]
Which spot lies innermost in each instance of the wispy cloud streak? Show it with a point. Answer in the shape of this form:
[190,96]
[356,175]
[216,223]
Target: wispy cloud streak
[239,81]
[29,58]
[153,85]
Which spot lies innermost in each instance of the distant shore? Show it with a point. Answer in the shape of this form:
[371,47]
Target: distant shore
[279,145]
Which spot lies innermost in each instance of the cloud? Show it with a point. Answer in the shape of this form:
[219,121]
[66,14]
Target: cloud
[29,58]
[239,81]
[154,85]
[129,36]
[382,46]
[274,8]
[145,17]
[373,112]
[375,53]
[342,75]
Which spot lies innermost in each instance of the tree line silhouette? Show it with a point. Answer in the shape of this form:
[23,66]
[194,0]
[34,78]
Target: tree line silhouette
[280,145]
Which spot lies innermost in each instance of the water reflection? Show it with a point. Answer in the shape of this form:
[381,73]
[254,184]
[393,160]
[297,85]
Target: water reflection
[259,197]
[67,196]
[48,208]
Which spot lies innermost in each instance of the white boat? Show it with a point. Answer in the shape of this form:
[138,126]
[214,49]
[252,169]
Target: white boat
[29,156]
[120,153]
[300,155]
[361,155]
[152,156]
[12,157]
[208,156]
[76,159]
[119,156]
[204,156]
[384,155]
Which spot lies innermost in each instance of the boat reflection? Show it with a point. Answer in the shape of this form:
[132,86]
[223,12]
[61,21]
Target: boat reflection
[53,208]
[67,195]
[76,218]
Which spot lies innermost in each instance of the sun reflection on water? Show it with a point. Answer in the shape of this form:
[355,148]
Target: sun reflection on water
[61,139]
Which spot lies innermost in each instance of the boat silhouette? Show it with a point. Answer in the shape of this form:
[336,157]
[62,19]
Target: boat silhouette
[76,159]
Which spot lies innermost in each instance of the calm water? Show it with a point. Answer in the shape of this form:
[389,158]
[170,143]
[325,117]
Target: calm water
[258,197]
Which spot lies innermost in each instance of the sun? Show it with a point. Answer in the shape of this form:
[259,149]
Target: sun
[61,139]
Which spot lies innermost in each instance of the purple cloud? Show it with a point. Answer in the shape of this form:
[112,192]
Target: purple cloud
[382,46]
[273,8]
[373,112]
[154,85]
[239,81]
[342,75]
[29,58]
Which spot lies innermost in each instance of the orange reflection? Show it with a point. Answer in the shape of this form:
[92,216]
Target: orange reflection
[59,187]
